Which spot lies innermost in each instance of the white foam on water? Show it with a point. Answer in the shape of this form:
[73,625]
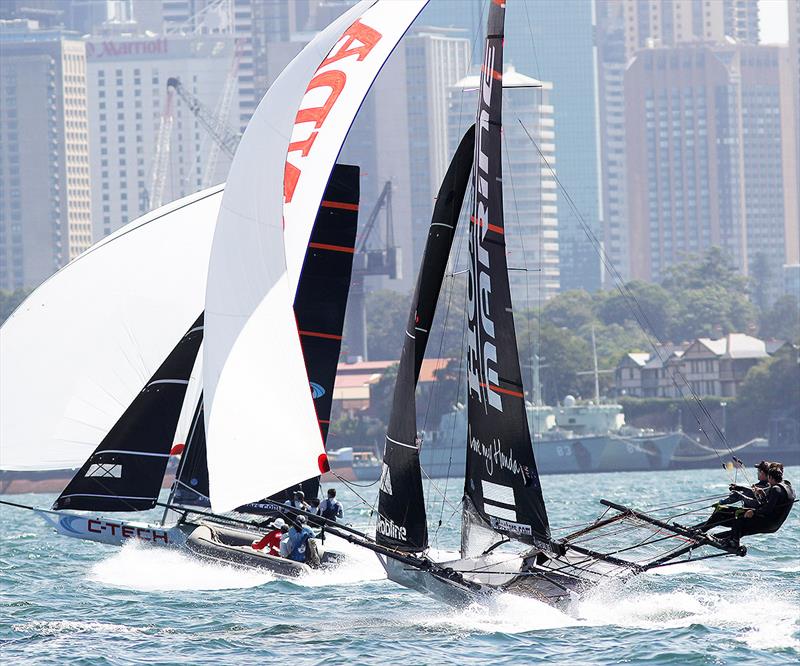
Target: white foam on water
[758,620]
[502,613]
[360,565]
[143,567]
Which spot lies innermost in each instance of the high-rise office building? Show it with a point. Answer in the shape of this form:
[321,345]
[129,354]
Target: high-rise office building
[127,83]
[705,158]
[624,27]
[529,188]
[436,59]
[45,214]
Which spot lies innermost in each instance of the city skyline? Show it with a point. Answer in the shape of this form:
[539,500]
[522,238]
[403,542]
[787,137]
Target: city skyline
[584,51]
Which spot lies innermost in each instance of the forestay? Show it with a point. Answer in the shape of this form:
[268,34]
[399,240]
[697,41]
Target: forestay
[256,388]
[502,492]
[401,509]
[78,350]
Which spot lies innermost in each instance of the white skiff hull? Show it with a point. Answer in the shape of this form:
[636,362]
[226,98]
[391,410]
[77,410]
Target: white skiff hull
[110,531]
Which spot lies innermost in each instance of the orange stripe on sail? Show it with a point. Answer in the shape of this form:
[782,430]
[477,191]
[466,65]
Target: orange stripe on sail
[314,334]
[339,204]
[497,389]
[491,227]
[334,248]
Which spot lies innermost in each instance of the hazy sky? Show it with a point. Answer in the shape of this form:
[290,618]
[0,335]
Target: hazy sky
[774,21]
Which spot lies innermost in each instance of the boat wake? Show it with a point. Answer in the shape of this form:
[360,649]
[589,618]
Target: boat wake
[142,567]
[752,619]
[755,618]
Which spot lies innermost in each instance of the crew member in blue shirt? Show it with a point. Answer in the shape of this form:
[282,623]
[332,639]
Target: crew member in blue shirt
[297,541]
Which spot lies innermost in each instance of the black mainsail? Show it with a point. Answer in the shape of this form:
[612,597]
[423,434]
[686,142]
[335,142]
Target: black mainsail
[319,307]
[126,469]
[401,510]
[502,490]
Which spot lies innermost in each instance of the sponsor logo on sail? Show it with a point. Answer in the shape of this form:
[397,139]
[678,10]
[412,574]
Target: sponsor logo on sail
[317,391]
[495,457]
[320,98]
[388,528]
[482,352]
[81,526]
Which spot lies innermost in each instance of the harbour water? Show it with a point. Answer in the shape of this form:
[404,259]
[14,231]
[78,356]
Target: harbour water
[68,600]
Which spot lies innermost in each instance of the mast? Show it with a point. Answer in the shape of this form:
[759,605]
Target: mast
[126,470]
[502,493]
[401,504]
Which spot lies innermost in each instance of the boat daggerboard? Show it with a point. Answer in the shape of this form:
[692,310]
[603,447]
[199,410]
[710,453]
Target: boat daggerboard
[78,350]
[401,504]
[257,395]
[125,472]
[319,305]
[502,491]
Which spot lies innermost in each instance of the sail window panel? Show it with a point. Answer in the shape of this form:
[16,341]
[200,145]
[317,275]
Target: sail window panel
[104,470]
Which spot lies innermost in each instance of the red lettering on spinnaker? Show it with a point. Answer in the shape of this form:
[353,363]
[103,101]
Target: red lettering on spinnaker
[357,41]
[366,37]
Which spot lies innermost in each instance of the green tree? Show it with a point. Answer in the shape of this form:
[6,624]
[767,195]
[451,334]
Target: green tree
[387,315]
[782,320]
[571,309]
[772,386]
[657,307]
[712,311]
[714,268]
[760,277]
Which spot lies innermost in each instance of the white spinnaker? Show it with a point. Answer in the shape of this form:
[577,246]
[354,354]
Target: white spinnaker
[262,433]
[77,351]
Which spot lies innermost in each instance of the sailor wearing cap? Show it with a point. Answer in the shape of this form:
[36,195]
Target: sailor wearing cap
[271,541]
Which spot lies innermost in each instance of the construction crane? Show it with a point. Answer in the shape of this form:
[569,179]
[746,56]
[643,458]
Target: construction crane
[222,111]
[158,177]
[368,261]
[226,138]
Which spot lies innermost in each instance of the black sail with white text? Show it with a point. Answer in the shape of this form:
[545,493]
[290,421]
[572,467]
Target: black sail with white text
[502,490]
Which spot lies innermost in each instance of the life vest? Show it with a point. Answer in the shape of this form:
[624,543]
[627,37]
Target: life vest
[331,510]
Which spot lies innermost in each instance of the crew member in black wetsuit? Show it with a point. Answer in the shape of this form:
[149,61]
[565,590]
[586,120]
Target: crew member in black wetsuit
[749,496]
[770,514]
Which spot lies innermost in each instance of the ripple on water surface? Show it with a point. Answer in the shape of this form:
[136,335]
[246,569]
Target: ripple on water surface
[62,599]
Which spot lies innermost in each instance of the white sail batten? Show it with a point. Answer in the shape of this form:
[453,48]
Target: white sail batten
[260,419]
[80,348]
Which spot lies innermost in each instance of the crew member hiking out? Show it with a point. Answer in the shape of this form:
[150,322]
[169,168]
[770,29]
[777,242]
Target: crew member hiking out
[749,496]
[330,508]
[770,515]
